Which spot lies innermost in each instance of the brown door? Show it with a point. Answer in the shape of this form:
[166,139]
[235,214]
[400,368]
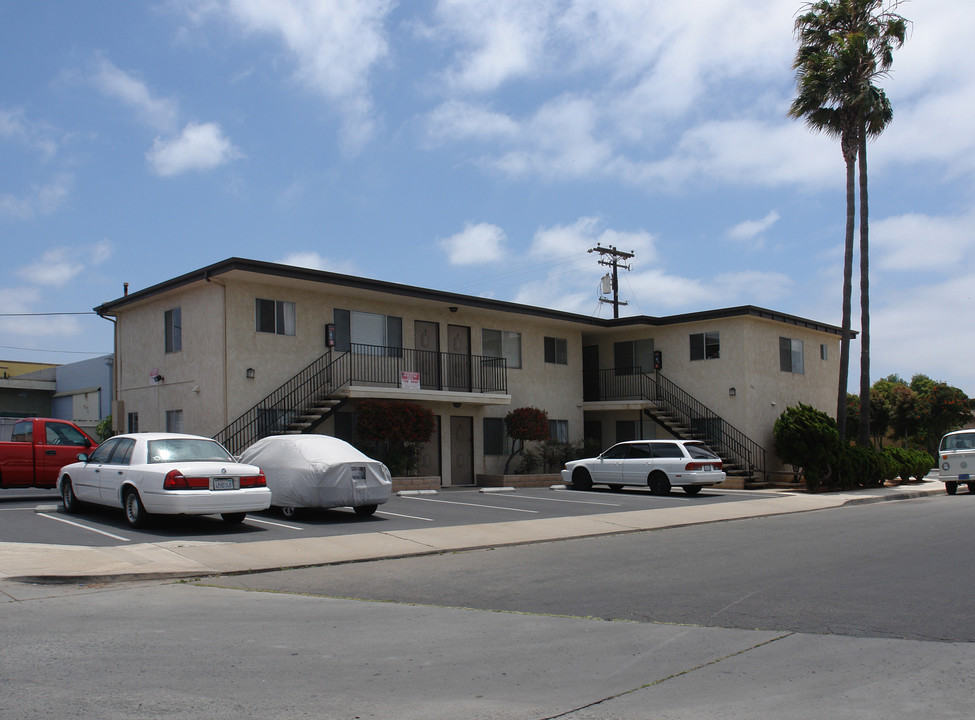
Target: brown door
[426,340]
[461,450]
[459,358]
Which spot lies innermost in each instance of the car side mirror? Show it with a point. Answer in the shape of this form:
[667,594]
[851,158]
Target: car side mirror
[82,457]
[87,442]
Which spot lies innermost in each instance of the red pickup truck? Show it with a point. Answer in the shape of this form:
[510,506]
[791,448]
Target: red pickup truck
[38,449]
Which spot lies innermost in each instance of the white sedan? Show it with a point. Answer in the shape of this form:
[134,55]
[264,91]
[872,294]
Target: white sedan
[657,464]
[164,473]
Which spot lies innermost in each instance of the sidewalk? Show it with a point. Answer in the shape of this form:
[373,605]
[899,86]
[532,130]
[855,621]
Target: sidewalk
[52,564]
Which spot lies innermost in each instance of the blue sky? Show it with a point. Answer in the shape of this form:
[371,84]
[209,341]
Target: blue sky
[475,147]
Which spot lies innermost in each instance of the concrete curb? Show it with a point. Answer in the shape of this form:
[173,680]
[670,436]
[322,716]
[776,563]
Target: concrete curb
[171,560]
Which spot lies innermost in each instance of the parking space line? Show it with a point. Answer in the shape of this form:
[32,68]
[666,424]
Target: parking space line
[454,502]
[84,527]
[271,522]
[409,517]
[548,499]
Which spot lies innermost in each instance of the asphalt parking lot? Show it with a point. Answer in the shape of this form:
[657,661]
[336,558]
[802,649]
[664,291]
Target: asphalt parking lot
[36,516]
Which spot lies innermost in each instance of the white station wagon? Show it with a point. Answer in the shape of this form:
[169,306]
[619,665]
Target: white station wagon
[657,464]
[164,473]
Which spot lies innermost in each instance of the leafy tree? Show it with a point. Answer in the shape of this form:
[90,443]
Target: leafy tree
[398,429]
[809,438]
[524,424]
[104,429]
[844,46]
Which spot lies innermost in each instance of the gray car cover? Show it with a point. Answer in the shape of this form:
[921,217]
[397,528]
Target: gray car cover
[318,471]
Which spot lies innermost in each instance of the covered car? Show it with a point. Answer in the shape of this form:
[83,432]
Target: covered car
[319,471]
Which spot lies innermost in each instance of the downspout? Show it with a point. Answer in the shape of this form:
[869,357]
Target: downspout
[116,369]
[226,352]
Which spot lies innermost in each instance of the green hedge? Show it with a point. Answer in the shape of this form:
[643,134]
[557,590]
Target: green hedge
[909,463]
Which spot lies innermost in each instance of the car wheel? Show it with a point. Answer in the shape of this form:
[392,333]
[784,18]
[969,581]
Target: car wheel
[951,487]
[581,479]
[365,510]
[692,489]
[971,487]
[288,512]
[659,483]
[233,518]
[71,503]
[135,511]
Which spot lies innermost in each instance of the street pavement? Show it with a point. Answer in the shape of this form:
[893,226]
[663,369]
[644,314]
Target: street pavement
[51,564]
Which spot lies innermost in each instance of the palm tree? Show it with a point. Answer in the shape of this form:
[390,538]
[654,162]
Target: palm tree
[844,45]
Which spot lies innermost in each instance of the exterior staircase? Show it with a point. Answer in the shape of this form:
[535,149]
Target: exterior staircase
[298,406]
[687,418]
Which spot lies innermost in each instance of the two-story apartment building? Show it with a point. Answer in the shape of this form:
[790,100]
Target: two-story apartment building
[244,348]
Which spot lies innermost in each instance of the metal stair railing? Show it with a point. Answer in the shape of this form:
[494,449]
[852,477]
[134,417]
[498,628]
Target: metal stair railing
[725,439]
[273,414]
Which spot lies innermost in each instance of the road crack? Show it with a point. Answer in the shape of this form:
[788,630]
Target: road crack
[661,681]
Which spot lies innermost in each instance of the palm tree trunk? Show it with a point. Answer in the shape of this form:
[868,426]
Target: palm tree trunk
[849,155]
[863,434]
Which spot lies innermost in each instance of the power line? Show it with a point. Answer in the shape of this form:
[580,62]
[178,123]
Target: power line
[68,352]
[50,314]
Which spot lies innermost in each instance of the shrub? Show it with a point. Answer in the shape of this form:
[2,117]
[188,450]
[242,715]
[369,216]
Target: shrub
[525,423]
[910,462]
[396,430]
[807,437]
[860,466]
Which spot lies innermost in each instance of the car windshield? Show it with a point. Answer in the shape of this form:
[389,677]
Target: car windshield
[961,441]
[187,450]
[699,452]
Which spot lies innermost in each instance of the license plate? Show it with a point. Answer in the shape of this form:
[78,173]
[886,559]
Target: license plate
[223,483]
[707,468]
[964,476]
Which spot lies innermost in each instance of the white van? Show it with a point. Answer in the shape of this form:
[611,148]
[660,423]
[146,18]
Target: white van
[956,458]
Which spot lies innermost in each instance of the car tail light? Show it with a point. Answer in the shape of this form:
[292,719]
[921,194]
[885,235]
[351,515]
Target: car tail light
[707,465]
[175,480]
[252,481]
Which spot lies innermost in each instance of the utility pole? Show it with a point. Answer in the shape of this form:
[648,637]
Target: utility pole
[614,262]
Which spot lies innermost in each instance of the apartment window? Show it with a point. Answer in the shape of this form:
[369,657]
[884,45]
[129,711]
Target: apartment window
[705,346]
[174,330]
[558,430]
[133,422]
[174,421]
[502,343]
[363,328]
[633,356]
[557,351]
[823,352]
[494,436]
[275,316]
[790,356]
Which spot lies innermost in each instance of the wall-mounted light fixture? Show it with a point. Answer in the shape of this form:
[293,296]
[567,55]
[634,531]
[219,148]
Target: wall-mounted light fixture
[157,379]
[456,405]
[452,308]
[731,392]
[250,373]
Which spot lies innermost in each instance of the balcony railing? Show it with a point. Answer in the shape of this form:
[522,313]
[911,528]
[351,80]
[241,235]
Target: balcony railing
[365,365]
[381,366]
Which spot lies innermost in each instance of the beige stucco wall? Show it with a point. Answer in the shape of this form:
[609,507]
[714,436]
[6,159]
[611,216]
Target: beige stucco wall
[193,377]
[207,378]
[748,362]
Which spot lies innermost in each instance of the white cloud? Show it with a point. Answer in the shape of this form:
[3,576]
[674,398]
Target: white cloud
[314,261]
[58,266]
[915,242]
[38,200]
[750,230]
[160,114]
[16,128]
[199,147]
[333,44]
[478,244]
